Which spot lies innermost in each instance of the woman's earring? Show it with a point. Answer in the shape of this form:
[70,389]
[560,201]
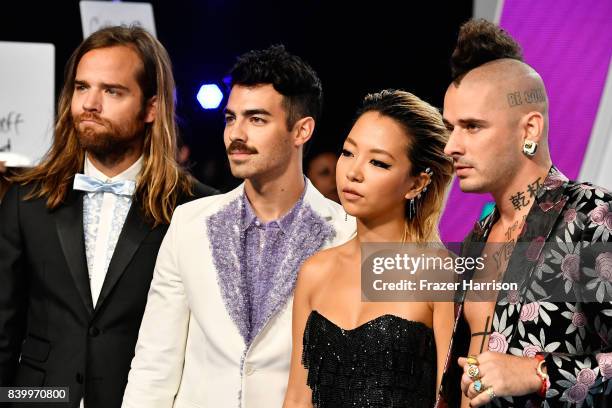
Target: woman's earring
[345,216]
[411,209]
[530,148]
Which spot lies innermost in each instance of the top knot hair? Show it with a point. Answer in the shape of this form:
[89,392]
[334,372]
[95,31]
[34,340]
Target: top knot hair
[479,42]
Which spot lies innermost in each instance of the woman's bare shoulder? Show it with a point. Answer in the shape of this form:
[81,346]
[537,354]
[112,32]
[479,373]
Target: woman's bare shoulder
[322,263]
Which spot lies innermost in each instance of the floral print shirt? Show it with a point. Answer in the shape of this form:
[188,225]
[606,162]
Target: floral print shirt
[566,237]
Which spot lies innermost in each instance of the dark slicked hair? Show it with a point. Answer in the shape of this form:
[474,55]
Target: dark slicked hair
[288,74]
[479,42]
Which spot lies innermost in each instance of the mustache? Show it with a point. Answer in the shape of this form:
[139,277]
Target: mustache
[90,116]
[240,146]
[460,162]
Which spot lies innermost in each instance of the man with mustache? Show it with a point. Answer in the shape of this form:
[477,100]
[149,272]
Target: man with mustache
[547,343]
[217,328]
[79,233]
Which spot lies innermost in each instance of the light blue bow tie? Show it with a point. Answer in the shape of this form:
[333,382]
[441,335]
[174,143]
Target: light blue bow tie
[93,185]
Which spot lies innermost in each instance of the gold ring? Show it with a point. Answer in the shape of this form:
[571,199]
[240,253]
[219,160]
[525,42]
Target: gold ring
[473,371]
[490,392]
[472,360]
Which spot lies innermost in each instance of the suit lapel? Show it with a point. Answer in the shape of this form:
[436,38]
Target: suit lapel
[541,219]
[226,238]
[134,230]
[309,232]
[69,225]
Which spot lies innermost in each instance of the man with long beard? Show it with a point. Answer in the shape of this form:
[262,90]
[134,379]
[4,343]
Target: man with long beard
[80,232]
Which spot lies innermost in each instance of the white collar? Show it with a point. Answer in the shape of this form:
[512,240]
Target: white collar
[131,173]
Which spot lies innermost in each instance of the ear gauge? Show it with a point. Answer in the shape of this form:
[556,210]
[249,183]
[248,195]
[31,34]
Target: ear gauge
[530,148]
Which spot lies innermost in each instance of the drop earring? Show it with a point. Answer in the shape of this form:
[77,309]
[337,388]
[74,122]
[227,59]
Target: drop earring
[411,209]
[530,148]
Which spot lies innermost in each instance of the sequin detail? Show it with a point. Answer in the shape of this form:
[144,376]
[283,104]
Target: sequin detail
[386,362]
[309,232]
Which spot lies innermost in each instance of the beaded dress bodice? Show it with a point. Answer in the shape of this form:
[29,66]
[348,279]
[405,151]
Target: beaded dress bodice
[386,362]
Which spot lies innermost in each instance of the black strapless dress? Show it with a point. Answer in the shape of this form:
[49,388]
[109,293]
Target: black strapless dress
[386,362]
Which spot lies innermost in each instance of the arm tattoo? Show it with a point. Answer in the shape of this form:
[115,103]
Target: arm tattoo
[484,333]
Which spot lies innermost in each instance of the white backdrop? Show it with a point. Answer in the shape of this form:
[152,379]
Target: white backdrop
[98,14]
[27,101]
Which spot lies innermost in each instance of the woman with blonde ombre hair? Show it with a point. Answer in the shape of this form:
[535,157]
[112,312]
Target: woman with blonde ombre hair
[392,176]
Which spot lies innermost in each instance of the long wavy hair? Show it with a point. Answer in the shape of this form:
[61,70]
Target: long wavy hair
[427,136]
[161,179]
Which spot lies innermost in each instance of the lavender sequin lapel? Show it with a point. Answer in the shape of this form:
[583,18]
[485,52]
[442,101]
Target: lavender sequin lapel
[226,244]
[308,233]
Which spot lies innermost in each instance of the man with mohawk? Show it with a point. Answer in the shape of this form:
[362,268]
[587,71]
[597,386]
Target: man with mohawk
[547,344]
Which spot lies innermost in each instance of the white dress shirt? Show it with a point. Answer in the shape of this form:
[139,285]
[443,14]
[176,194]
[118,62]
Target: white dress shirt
[103,217]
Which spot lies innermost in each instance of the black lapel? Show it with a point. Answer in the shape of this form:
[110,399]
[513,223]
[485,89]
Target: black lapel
[69,225]
[541,219]
[135,229]
[472,247]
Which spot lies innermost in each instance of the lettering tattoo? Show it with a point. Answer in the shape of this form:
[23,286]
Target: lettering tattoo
[519,200]
[503,255]
[518,98]
[513,228]
[514,99]
[533,187]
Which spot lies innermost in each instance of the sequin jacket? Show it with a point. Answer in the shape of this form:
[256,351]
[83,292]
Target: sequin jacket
[196,347]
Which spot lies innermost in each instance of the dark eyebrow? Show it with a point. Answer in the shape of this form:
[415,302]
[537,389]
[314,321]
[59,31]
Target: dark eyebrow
[251,112]
[473,121]
[116,86]
[381,151]
[103,85]
[447,123]
[248,112]
[351,141]
[375,150]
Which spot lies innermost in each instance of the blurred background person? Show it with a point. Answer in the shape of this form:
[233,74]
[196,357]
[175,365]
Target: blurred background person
[321,170]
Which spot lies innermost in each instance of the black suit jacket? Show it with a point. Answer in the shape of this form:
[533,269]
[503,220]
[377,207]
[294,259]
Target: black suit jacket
[50,333]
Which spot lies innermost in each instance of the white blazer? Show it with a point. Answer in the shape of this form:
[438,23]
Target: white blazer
[191,349]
